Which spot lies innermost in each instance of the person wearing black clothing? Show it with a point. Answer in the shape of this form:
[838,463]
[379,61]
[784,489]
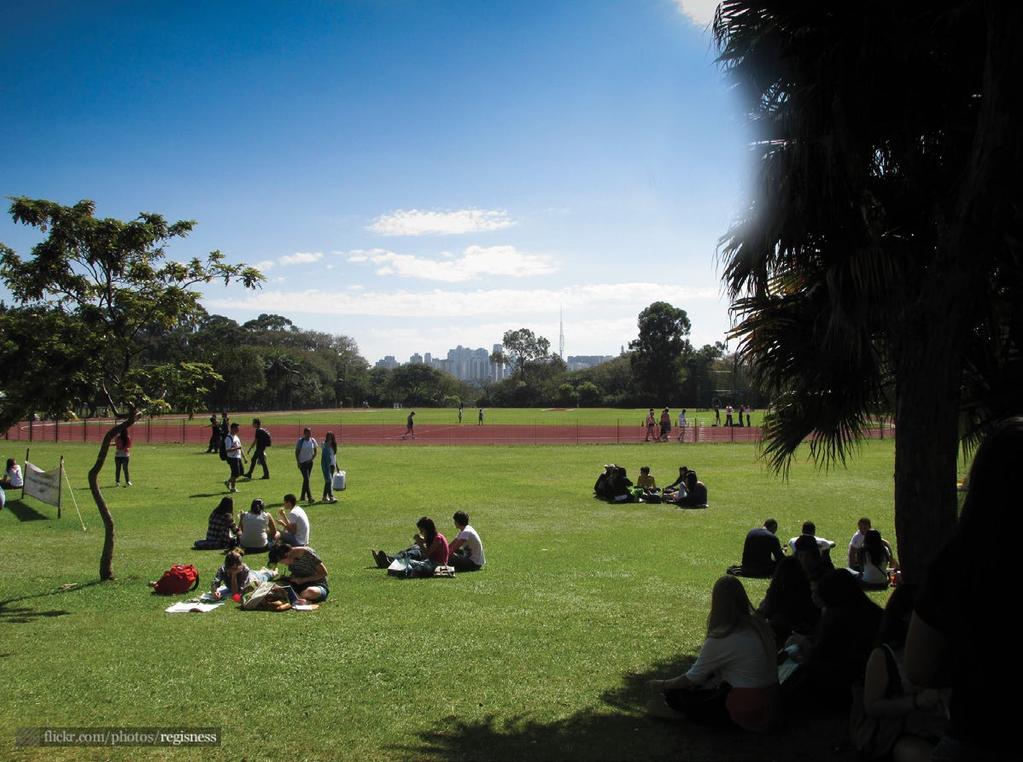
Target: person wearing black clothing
[215,435]
[261,442]
[761,552]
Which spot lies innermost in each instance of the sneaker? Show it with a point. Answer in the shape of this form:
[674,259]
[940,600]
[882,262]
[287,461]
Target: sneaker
[127,484]
[265,477]
[381,559]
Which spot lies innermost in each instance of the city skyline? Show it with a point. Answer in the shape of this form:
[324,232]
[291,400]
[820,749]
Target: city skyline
[407,174]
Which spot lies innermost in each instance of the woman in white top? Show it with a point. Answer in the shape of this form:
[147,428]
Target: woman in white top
[257,528]
[734,681]
[12,477]
[874,560]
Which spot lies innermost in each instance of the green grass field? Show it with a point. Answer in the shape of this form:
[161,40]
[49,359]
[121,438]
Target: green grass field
[539,656]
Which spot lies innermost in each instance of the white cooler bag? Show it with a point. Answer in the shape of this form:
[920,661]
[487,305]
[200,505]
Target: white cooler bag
[340,481]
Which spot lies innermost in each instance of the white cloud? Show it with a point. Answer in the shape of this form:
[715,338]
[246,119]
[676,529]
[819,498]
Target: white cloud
[700,12]
[300,258]
[415,222]
[464,304]
[475,262]
[266,264]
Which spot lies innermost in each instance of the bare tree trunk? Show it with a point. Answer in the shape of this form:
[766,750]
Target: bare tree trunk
[106,559]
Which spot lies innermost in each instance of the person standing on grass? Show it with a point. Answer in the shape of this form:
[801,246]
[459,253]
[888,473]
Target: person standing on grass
[465,552]
[215,435]
[122,453]
[480,417]
[261,442]
[328,464]
[682,425]
[305,456]
[410,424]
[235,457]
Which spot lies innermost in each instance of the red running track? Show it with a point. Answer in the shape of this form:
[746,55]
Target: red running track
[160,431]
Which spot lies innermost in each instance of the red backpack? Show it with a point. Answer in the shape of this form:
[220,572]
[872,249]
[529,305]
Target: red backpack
[180,578]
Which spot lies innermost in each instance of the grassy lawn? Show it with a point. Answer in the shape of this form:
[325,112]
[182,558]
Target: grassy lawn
[539,656]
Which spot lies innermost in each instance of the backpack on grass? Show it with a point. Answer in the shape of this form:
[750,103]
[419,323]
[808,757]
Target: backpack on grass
[180,578]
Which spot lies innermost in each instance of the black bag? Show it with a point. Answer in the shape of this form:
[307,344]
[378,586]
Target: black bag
[267,442]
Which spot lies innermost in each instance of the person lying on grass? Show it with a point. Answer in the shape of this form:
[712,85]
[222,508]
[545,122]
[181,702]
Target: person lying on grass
[428,551]
[307,575]
[466,551]
[234,574]
[734,681]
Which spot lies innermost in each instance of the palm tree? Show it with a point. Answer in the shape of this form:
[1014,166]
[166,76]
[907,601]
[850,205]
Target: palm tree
[880,256]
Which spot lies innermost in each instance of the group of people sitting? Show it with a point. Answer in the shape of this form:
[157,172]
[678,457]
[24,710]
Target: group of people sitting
[255,532]
[870,558]
[431,552]
[614,485]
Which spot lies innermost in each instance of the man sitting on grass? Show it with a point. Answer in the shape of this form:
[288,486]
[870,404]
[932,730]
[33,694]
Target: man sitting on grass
[761,552]
[294,522]
[466,550]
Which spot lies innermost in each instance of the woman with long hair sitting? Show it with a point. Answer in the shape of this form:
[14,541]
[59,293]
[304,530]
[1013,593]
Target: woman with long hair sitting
[734,680]
[220,528]
[429,550]
[874,560]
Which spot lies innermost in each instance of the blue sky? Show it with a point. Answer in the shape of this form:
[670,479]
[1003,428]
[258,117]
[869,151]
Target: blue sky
[413,174]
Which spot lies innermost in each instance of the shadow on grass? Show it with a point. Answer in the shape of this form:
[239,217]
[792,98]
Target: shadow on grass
[24,615]
[24,512]
[619,729]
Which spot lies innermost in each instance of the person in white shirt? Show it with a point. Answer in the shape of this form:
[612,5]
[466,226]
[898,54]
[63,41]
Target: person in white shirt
[294,523]
[856,543]
[233,446]
[305,456]
[466,550]
[12,478]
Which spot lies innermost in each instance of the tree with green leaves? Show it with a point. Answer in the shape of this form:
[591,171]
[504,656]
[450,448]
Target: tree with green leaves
[660,353]
[84,299]
[524,346]
[881,257]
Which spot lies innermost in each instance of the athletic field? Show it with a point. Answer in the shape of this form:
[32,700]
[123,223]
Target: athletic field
[541,655]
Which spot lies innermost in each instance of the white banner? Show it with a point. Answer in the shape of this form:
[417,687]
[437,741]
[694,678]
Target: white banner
[43,485]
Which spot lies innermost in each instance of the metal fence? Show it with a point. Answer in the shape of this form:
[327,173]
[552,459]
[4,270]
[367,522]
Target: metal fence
[182,430]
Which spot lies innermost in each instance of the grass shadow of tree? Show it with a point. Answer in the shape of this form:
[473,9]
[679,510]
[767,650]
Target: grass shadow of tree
[24,615]
[619,729]
[25,512]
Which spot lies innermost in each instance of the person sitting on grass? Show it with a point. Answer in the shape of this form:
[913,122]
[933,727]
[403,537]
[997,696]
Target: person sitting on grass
[911,719]
[256,528]
[234,574]
[788,603]
[294,522]
[856,543]
[645,480]
[466,551]
[761,552]
[695,495]
[734,681]
[428,551]
[12,478]
[307,575]
[220,529]
[875,559]
[834,657]
[679,485]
